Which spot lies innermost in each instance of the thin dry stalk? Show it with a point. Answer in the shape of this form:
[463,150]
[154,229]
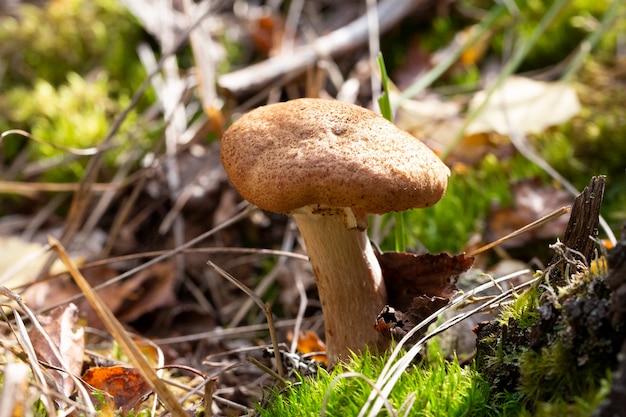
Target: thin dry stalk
[263,306]
[267,281]
[42,377]
[533,225]
[165,255]
[117,331]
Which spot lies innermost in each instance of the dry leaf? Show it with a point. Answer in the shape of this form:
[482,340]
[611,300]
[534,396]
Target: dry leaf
[309,342]
[531,201]
[523,105]
[417,286]
[437,123]
[148,290]
[431,118]
[266,31]
[21,261]
[124,384]
[60,325]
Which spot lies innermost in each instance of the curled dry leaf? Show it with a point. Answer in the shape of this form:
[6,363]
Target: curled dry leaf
[417,286]
[124,384]
[148,290]
[61,327]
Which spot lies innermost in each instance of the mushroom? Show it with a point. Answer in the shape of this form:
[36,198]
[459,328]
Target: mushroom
[329,164]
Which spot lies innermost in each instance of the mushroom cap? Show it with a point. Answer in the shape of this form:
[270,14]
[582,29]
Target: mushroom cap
[302,152]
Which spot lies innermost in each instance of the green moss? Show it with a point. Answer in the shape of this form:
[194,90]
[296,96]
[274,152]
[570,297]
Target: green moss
[71,67]
[523,309]
[438,388]
[562,37]
[77,114]
[70,35]
[553,350]
[593,142]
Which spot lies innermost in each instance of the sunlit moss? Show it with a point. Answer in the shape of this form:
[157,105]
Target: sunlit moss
[437,388]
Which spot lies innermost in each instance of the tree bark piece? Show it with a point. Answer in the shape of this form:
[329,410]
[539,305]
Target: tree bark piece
[613,405]
[582,227]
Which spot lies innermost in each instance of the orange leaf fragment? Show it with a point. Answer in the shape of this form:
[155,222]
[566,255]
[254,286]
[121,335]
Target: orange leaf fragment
[309,342]
[124,384]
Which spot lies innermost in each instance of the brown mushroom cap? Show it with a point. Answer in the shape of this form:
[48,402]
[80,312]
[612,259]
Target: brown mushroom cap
[303,152]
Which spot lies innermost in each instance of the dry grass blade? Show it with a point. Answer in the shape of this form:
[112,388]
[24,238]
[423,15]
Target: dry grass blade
[537,223]
[162,255]
[42,377]
[263,306]
[68,149]
[32,188]
[21,335]
[119,334]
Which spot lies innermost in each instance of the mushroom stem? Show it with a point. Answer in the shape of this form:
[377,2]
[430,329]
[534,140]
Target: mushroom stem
[349,280]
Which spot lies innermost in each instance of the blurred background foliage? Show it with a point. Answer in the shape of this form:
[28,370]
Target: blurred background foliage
[71,66]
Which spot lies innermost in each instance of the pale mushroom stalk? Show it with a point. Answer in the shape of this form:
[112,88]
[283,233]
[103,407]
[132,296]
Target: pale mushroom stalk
[349,279]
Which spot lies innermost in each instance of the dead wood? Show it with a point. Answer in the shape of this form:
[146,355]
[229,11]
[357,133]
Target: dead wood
[616,281]
[581,230]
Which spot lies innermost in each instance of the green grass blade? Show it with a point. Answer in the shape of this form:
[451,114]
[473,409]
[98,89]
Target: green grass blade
[385,109]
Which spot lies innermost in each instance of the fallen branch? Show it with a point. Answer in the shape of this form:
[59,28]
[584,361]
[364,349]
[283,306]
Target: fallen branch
[285,67]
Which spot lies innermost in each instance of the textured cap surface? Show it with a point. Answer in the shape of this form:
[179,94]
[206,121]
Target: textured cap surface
[288,155]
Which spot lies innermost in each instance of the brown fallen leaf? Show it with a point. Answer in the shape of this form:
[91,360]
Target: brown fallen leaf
[149,290]
[531,201]
[144,292]
[124,384]
[417,286]
[67,337]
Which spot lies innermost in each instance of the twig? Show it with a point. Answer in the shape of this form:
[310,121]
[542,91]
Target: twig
[267,370]
[253,78]
[209,389]
[221,333]
[161,257]
[263,306]
[545,219]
